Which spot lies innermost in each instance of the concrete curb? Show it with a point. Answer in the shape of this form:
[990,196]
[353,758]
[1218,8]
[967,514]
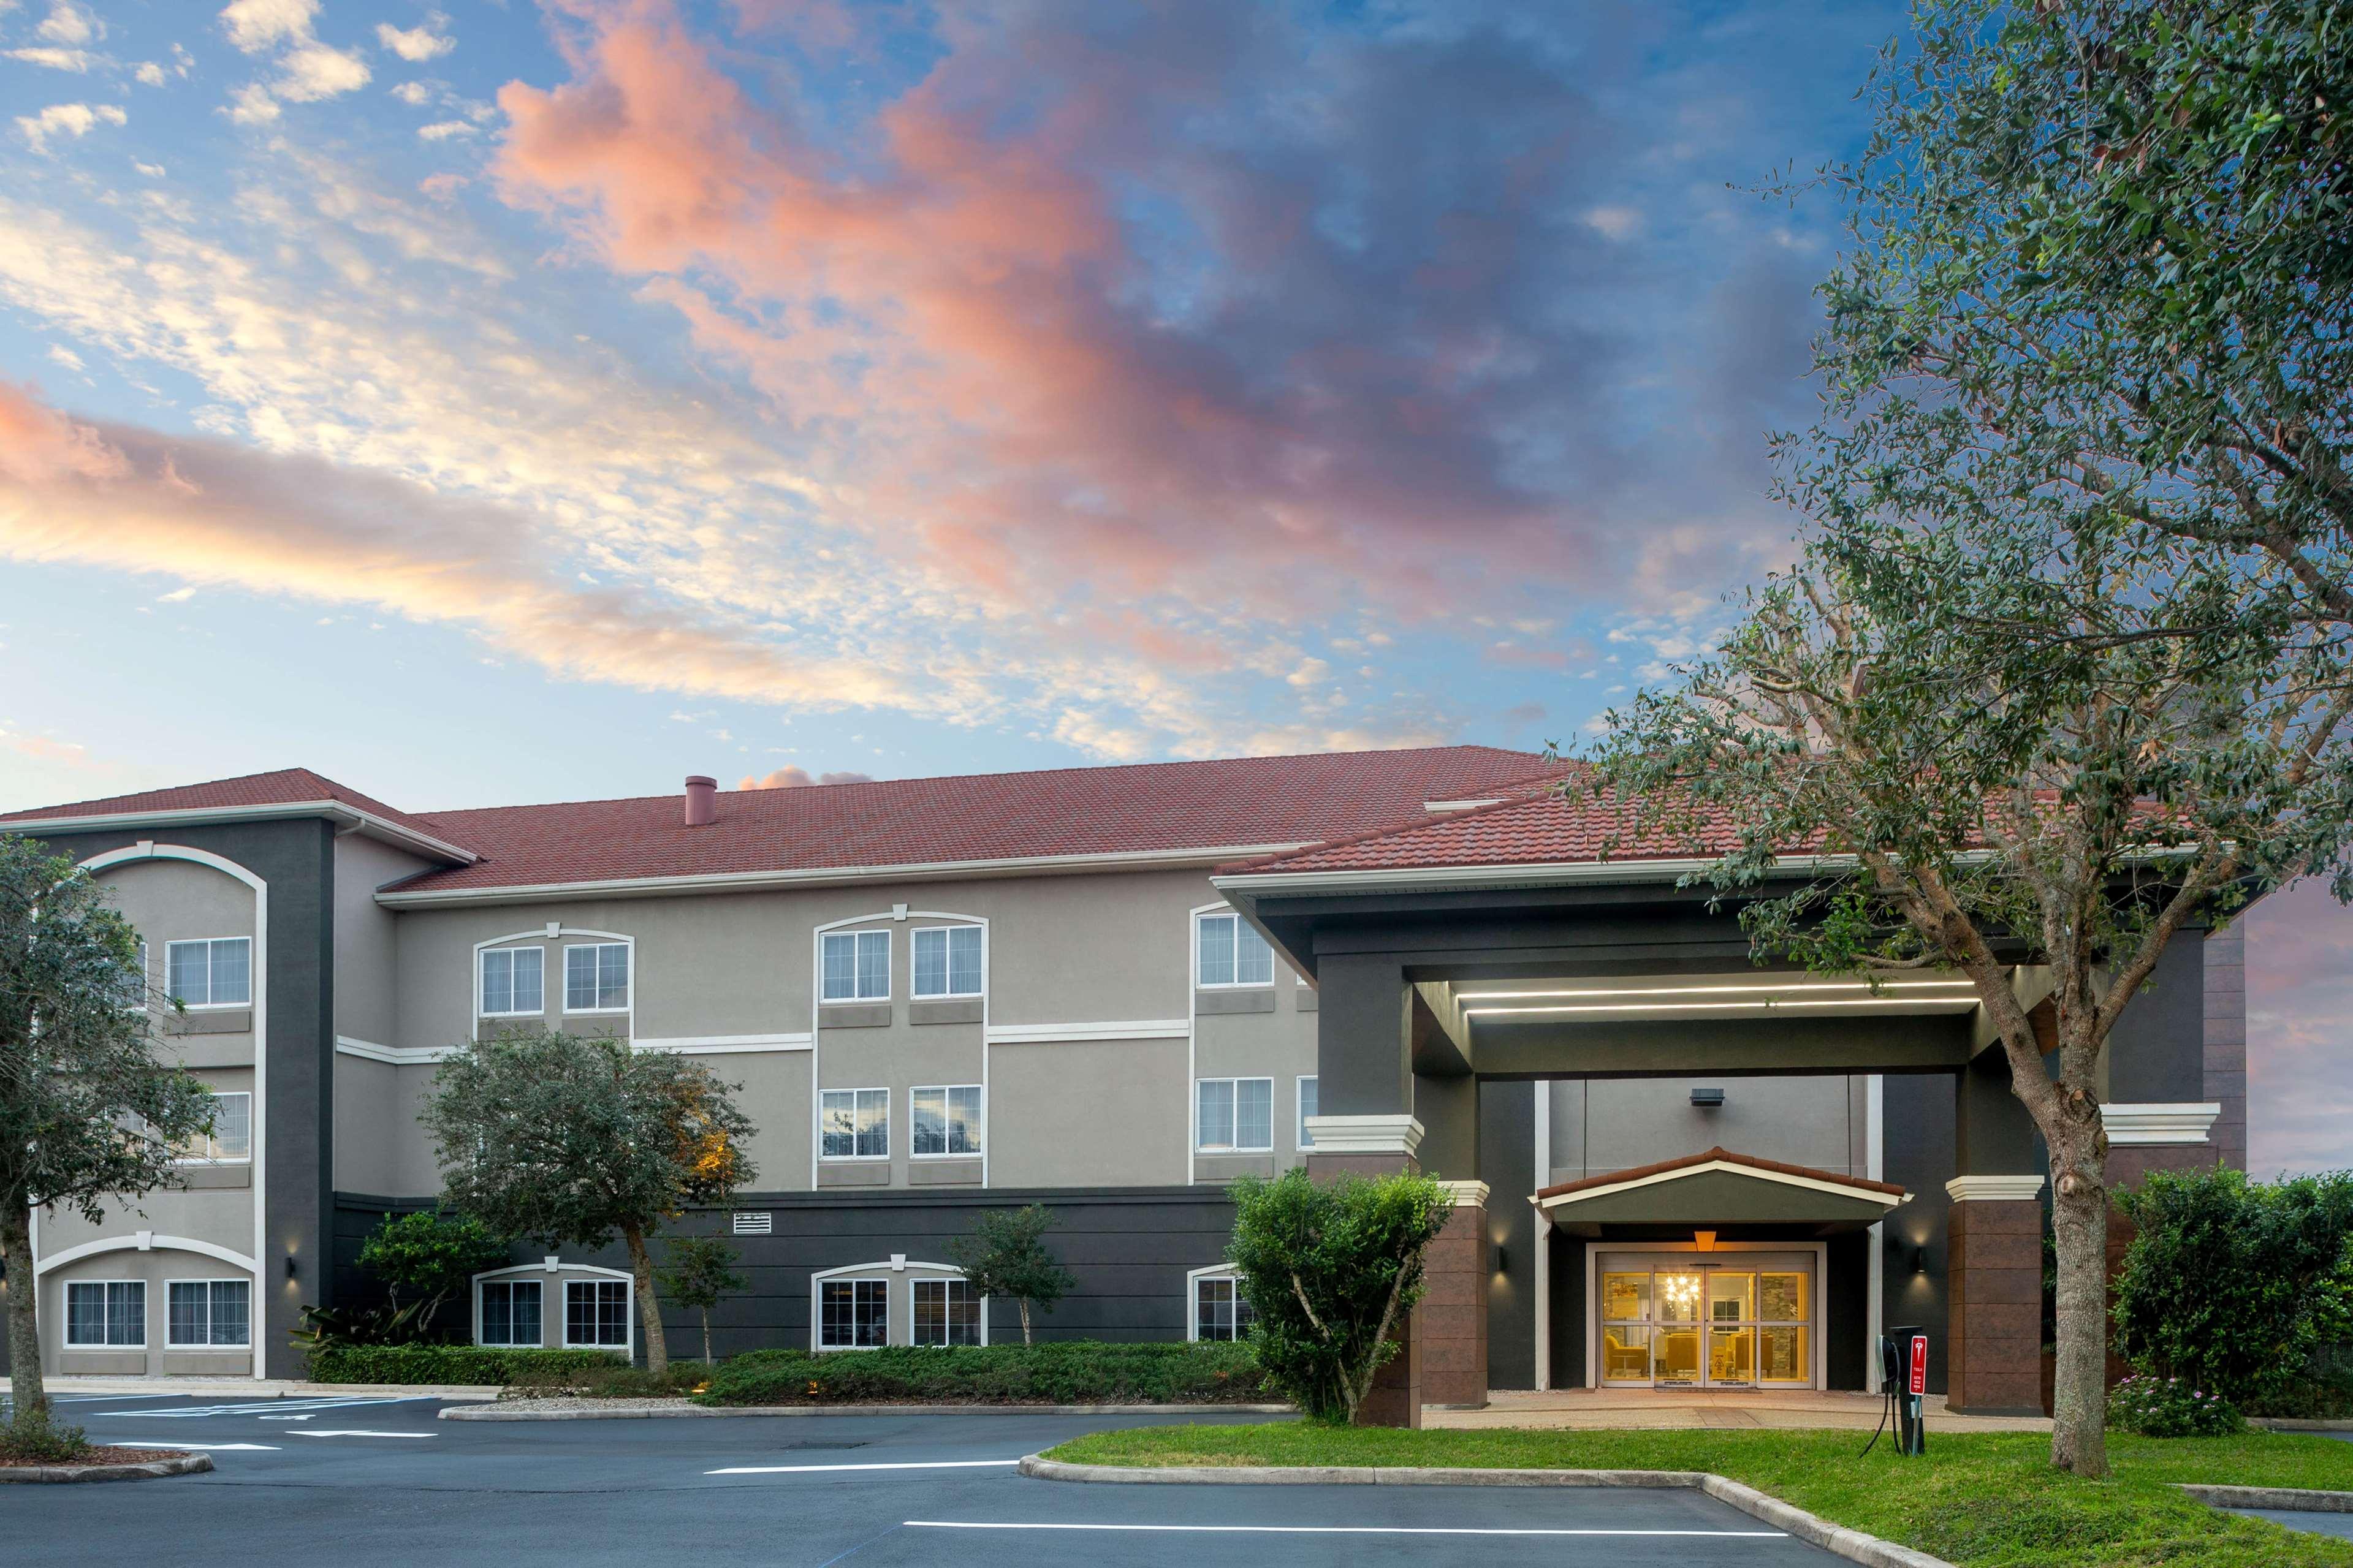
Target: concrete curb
[185,1465]
[1852,1545]
[2298,1424]
[2289,1499]
[691,1412]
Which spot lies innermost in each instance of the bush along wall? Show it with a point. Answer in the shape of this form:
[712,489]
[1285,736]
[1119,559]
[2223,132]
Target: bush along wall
[454,1365]
[1064,1371]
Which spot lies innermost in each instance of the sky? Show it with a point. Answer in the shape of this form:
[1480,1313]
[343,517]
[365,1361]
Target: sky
[497,402]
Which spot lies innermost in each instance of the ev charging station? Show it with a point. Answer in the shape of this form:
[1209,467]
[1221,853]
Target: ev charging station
[1904,1375]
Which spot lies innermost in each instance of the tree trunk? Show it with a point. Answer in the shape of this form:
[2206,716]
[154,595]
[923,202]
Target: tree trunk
[2079,1221]
[24,1328]
[641,1265]
[706,1336]
[1025,1320]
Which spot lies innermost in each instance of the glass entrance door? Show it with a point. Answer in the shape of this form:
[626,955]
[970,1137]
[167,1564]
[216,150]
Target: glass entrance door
[1740,1320]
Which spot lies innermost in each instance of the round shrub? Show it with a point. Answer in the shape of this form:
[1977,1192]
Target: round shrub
[2169,1407]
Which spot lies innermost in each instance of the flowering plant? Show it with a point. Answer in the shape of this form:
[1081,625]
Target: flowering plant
[2169,1407]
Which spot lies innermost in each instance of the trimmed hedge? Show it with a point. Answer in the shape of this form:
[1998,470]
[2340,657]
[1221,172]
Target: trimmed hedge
[1064,1371]
[456,1365]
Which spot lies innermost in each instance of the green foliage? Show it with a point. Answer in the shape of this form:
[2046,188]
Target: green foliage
[605,1380]
[429,1255]
[700,1273]
[457,1366]
[32,1437]
[1006,1257]
[2233,1286]
[2169,1407]
[1061,1371]
[1330,1267]
[569,1141]
[338,1328]
[89,1116]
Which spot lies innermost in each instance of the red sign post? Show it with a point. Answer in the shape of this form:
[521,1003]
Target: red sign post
[1919,1365]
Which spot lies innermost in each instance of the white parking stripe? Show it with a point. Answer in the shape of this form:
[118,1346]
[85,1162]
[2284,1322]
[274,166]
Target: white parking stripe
[274,1406]
[1332,1529]
[342,1434]
[191,1448]
[910,1465]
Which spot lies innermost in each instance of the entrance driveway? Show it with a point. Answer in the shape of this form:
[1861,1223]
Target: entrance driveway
[367,1482]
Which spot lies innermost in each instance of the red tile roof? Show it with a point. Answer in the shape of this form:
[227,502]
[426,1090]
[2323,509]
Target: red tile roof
[285,786]
[1230,805]
[1538,826]
[1667,1167]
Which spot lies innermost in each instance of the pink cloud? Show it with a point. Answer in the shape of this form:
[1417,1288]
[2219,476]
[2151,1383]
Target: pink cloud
[791,777]
[970,318]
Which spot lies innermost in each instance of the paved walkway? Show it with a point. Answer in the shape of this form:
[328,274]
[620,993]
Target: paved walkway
[1595,1408]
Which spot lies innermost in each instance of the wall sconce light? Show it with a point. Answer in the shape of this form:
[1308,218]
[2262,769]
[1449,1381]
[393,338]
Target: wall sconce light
[292,1272]
[1707,1099]
[1502,1260]
[1703,1241]
[1919,1260]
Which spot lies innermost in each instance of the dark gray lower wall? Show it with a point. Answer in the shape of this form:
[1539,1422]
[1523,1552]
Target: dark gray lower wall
[1918,1127]
[1507,1159]
[1130,1249]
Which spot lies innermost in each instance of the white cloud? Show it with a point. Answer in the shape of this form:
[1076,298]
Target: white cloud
[316,71]
[177,595]
[150,74]
[66,119]
[152,171]
[255,26]
[414,94]
[66,24]
[55,60]
[416,43]
[442,129]
[252,105]
[64,356]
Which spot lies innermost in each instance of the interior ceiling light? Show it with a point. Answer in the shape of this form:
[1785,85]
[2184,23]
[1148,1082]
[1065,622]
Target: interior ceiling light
[1764,1003]
[1760,986]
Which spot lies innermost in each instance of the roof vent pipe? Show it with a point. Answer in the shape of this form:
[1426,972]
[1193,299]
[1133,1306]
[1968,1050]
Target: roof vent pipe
[702,800]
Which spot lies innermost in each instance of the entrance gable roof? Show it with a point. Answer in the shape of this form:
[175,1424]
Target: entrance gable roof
[1721,1162]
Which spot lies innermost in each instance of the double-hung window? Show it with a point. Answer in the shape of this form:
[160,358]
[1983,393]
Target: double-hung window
[1237,1115]
[216,972]
[856,966]
[1220,1311]
[212,1313]
[511,1312]
[596,978]
[946,1314]
[1306,1109]
[1232,954]
[106,1314]
[512,980]
[946,1120]
[231,1138]
[596,1313]
[853,1314]
[947,961]
[856,1123]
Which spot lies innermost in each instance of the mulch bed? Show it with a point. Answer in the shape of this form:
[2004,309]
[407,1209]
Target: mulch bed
[97,1456]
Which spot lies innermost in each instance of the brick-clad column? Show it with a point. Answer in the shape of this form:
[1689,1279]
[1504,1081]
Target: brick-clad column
[1993,1342]
[1376,1145]
[1453,1310]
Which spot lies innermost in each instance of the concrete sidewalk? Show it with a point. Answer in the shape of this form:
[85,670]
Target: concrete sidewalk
[1573,1409]
[227,1388]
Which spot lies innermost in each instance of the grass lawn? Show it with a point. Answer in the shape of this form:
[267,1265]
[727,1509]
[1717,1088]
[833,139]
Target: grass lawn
[1982,1500]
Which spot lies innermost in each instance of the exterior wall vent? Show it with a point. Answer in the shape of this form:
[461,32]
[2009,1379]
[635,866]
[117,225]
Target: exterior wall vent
[1708,1098]
[702,800]
[753,1221]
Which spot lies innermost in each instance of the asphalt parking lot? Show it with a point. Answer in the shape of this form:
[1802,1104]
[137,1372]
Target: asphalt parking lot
[364,1481]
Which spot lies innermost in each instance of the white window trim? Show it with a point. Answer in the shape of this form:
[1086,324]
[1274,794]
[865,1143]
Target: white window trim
[563,978]
[1227,914]
[957,1276]
[552,933]
[66,1340]
[1193,1279]
[207,941]
[481,963]
[943,1089]
[890,960]
[1265,1148]
[172,1344]
[629,1345]
[978,991]
[857,1159]
[1299,1136]
[856,1274]
[556,1269]
[244,1159]
[506,1276]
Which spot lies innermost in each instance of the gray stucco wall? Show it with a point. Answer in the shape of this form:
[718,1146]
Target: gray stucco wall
[2226,1040]
[1613,1124]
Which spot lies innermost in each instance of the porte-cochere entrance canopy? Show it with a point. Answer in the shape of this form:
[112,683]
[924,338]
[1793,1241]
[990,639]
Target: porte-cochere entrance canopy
[1484,977]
